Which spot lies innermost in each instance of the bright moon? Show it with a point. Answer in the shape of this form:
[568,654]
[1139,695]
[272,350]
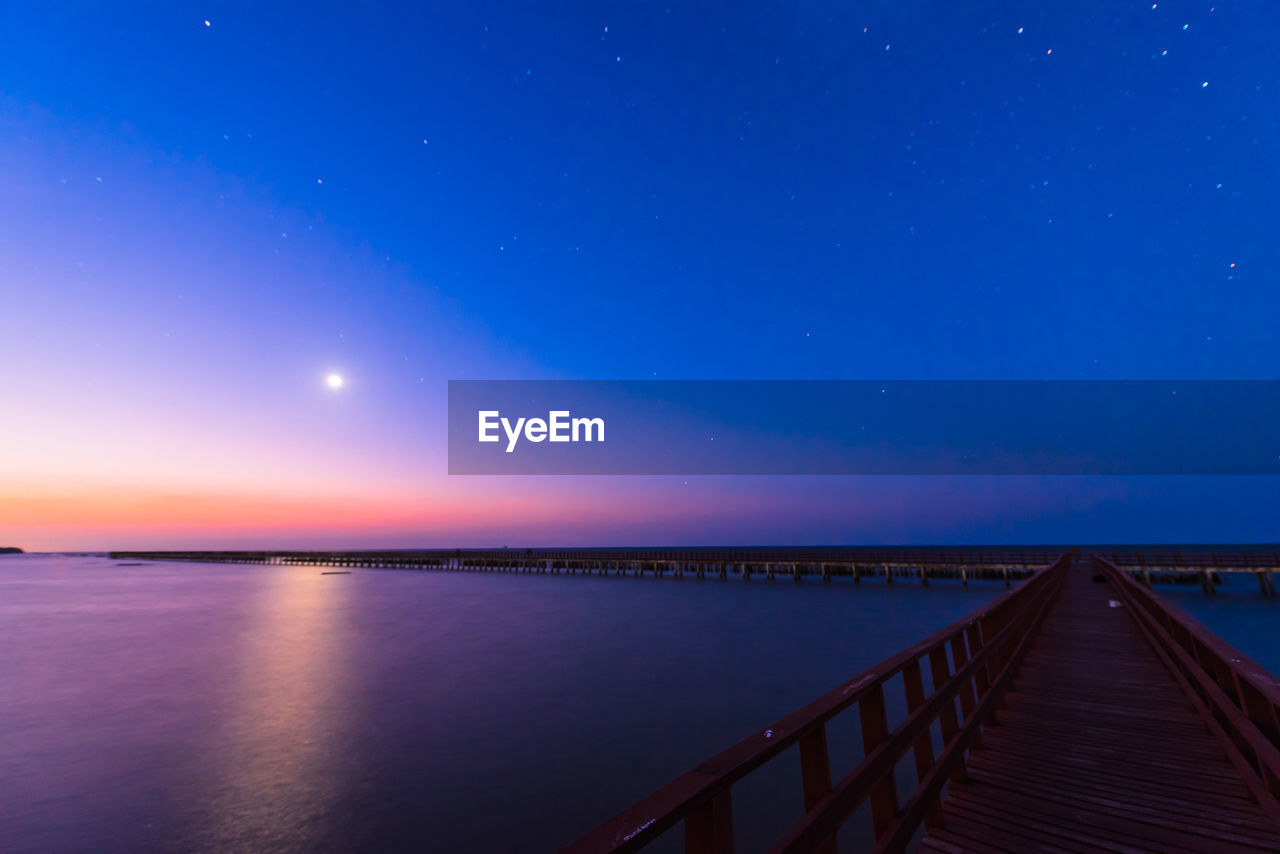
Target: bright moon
[333,381]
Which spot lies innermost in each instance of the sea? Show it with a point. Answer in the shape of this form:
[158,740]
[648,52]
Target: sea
[218,707]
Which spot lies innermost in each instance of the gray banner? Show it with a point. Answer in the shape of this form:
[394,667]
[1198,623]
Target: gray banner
[1145,427]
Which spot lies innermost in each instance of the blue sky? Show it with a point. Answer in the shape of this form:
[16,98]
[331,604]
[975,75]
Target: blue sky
[198,220]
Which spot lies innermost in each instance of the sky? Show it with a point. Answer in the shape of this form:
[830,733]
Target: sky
[205,209]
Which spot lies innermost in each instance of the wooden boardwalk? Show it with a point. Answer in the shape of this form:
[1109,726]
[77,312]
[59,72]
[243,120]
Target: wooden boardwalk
[1096,747]
[1079,712]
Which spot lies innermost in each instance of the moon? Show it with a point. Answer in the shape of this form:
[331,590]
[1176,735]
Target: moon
[334,381]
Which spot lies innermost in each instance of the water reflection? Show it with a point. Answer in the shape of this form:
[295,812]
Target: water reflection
[274,759]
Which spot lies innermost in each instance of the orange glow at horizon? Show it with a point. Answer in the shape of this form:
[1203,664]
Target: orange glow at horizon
[111,516]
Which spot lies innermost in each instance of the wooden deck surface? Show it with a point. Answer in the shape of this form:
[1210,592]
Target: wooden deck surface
[1097,748]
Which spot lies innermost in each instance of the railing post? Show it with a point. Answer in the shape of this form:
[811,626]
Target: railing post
[923,747]
[815,774]
[815,766]
[991,625]
[708,828]
[975,633]
[967,700]
[875,729]
[940,673]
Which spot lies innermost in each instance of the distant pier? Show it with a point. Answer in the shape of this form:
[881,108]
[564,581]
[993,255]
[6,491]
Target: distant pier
[885,564]
[1148,565]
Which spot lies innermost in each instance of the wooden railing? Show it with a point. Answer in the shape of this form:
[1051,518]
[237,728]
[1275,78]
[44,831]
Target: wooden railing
[1239,700]
[970,662]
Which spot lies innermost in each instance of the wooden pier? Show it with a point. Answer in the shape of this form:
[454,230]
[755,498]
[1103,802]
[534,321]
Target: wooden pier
[1077,713]
[1205,566]
[888,564]
[1100,745]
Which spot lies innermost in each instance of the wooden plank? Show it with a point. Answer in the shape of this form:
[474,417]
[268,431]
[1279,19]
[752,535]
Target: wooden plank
[1053,734]
[966,829]
[1141,829]
[1188,813]
[1201,766]
[1137,773]
[1063,829]
[1104,814]
[1156,789]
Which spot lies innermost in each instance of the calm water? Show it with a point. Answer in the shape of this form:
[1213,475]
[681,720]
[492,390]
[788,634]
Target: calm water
[1238,613]
[219,707]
